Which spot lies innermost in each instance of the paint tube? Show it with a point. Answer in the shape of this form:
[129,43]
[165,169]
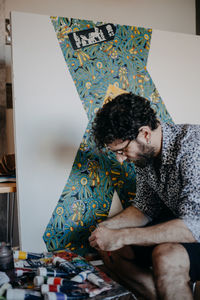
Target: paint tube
[45,288]
[29,263]
[82,264]
[51,272]
[96,280]
[65,265]
[21,272]
[82,276]
[26,269]
[62,296]
[39,280]
[61,281]
[19,294]
[27,255]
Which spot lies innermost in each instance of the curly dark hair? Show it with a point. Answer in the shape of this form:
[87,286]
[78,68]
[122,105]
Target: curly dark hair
[121,118]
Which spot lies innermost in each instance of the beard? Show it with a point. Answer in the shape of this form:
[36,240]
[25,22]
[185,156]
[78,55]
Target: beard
[146,156]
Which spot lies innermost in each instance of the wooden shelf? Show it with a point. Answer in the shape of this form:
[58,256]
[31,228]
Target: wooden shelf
[7,187]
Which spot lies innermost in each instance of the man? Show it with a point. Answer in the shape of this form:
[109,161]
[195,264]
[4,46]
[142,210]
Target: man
[154,244]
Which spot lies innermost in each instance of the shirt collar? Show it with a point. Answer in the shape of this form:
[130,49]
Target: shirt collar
[169,133]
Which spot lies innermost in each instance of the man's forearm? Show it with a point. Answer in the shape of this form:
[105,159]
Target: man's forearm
[174,231]
[130,217]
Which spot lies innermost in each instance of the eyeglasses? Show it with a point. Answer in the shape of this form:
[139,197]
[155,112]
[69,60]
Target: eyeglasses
[119,151]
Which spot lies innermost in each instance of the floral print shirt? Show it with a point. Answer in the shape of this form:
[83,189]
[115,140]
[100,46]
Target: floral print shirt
[176,184]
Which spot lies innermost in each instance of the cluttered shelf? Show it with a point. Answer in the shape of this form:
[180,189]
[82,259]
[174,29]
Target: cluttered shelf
[58,275]
[7,187]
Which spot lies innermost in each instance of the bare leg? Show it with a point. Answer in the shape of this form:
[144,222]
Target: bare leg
[137,279]
[171,270]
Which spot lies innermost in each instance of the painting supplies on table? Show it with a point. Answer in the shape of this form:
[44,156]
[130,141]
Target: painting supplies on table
[62,285]
[63,275]
[29,263]
[40,280]
[27,255]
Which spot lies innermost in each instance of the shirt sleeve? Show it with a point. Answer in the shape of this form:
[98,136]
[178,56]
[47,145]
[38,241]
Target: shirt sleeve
[189,201]
[146,200]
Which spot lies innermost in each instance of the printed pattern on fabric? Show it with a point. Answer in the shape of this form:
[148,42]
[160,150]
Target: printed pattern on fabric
[87,195]
[177,186]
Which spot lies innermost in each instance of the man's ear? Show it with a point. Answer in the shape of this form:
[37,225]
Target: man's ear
[145,134]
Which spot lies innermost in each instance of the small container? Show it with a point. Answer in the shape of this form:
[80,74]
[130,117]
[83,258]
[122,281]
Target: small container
[6,257]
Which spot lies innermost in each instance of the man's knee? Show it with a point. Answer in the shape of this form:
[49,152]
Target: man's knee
[170,259]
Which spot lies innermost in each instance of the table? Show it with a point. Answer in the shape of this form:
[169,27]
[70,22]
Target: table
[10,189]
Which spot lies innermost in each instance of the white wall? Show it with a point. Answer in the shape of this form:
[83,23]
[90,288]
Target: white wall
[175,72]
[174,65]
[49,124]
[170,15]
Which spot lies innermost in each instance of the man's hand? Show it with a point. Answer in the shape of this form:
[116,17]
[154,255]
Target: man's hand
[106,239]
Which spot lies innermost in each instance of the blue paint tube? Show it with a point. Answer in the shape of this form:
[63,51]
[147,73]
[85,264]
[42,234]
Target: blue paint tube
[27,255]
[81,277]
[65,265]
[51,272]
[19,294]
[45,288]
[62,296]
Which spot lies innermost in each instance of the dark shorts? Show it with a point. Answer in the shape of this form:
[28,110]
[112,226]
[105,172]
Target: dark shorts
[144,257]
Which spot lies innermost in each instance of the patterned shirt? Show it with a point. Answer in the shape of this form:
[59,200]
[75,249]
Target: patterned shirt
[176,184]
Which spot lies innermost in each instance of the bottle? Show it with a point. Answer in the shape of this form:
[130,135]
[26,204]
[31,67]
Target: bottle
[6,257]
